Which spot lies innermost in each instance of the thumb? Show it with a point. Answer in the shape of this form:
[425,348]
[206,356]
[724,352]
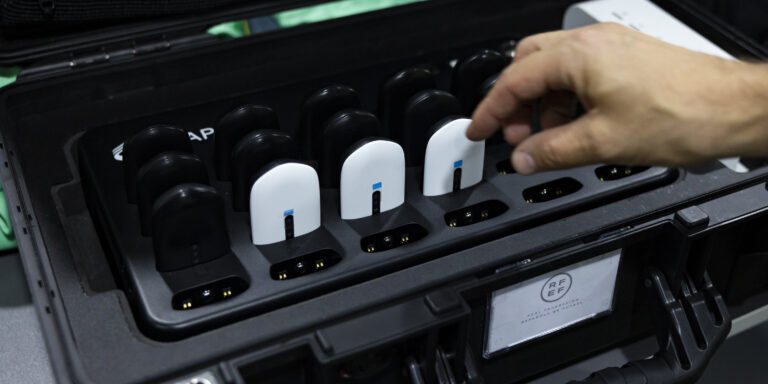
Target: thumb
[567,146]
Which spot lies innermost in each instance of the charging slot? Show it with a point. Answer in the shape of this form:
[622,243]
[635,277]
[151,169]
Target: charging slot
[618,172]
[209,293]
[505,167]
[393,238]
[304,265]
[476,213]
[552,190]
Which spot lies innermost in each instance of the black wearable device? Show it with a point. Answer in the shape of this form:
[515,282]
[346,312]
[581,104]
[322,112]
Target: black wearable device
[469,75]
[395,93]
[161,173]
[188,227]
[233,126]
[251,154]
[317,109]
[422,112]
[148,144]
[341,131]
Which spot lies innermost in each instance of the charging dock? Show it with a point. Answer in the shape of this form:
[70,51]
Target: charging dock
[305,264]
[476,213]
[393,238]
[617,172]
[339,252]
[551,191]
[209,293]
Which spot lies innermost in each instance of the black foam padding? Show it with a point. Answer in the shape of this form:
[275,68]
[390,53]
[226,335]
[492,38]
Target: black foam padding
[233,126]
[422,112]
[254,151]
[188,227]
[395,93]
[158,175]
[469,75]
[146,145]
[317,109]
[341,131]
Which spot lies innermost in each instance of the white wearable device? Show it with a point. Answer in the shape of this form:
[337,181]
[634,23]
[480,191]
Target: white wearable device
[452,162]
[372,179]
[284,203]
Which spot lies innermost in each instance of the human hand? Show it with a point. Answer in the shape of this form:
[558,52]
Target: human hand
[647,102]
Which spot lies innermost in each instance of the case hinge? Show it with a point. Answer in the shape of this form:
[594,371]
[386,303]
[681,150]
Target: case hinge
[83,60]
[150,46]
[117,52]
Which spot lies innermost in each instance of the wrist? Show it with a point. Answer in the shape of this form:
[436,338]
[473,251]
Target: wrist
[742,120]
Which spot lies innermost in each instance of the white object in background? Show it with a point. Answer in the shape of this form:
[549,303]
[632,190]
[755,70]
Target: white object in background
[285,198]
[452,159]
[647,17]
[372,179]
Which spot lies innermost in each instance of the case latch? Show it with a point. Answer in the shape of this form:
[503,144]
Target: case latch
[84,60]
[157,45]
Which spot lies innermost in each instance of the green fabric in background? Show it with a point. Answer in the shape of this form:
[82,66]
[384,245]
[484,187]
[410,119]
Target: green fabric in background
[334,10]
[8,75]
[7,239]
[231,30]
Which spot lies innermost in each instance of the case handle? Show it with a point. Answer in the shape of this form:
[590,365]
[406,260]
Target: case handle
[689,332]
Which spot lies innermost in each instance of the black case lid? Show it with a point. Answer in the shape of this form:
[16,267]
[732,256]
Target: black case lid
[22,46]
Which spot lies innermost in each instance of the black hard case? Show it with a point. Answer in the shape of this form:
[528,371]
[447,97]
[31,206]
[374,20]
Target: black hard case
[417,314]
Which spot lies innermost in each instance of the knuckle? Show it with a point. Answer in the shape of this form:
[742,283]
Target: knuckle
[525,44]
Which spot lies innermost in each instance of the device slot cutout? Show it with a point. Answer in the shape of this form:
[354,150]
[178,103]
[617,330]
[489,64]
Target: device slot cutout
[552,190]
[504,167]
[210,293]
[393,238]
[305,264]
[618,172]
[475,213]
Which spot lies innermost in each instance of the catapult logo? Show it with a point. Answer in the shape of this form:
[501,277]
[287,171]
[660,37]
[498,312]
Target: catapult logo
[202,134]
[556,287]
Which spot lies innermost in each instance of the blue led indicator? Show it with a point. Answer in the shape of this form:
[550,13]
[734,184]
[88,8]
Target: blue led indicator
[457,164]
[288,212]
[377,186]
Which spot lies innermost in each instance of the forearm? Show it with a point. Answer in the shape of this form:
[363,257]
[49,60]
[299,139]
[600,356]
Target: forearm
[745,126]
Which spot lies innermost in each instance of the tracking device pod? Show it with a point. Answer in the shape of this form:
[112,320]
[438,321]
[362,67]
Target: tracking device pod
[396,92]
[469,75]
[148,144]
[285,202]
[188,227]
[452,162]
[160,174]
[233,127]
[342,130]
[423,111]
[372,179]
[317,109]
[251,154]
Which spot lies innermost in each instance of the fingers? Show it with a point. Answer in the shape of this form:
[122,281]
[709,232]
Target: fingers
[567,146]
[538,42]
[557,108]
[522,83]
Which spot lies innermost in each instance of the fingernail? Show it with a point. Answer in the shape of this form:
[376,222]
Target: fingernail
[523,163]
